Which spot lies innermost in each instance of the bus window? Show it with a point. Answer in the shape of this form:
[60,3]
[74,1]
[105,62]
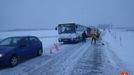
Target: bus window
[66,29]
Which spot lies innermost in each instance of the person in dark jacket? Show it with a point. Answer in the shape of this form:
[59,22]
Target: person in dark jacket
[98,35]
[84,36]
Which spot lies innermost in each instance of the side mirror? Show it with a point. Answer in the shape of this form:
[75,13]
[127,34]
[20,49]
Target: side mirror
[56,28]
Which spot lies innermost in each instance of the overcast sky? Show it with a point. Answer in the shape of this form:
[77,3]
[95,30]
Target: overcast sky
[49,13]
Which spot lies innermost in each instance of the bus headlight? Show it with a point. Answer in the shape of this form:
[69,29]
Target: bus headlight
[1,55]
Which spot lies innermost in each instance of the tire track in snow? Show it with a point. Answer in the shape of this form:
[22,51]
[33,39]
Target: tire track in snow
[60,65]
[91,63]
[70,63]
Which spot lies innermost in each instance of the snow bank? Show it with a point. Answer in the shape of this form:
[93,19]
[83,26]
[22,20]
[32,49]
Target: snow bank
[121,42]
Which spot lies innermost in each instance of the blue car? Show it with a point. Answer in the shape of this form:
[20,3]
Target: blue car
[15,49]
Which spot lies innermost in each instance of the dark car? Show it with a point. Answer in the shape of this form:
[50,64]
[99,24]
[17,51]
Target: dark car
[15,49]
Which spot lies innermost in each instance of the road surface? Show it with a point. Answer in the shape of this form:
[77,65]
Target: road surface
[71,59]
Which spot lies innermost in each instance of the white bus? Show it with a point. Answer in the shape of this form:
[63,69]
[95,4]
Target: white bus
[70,32]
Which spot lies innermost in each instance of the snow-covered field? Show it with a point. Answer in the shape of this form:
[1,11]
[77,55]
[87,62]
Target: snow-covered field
[121,42]
[78,59]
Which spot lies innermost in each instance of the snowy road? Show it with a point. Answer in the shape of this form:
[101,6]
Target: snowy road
[91,62]
[64,62]
[62,58]
[61,62]
[72,59]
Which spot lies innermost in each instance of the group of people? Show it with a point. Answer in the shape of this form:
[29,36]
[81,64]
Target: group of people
[95,36]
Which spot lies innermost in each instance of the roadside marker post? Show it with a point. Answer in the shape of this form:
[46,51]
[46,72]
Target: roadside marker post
[51,50]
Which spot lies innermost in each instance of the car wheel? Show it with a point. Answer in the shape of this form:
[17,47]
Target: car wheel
[13,61]
[40,52]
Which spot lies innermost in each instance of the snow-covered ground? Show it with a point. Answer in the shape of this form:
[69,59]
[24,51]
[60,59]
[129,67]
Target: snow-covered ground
[78,59]
[121,44]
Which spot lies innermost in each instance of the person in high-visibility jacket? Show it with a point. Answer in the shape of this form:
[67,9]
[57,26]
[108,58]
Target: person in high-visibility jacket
[94,37]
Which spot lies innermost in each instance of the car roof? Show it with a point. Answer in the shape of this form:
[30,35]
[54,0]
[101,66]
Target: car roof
[21,36]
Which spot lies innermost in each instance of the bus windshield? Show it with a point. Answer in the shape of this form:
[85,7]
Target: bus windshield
[66,28]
